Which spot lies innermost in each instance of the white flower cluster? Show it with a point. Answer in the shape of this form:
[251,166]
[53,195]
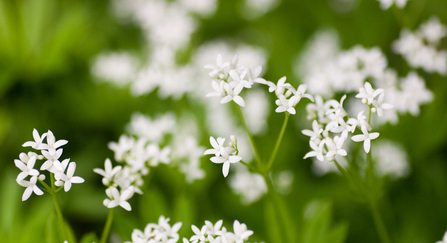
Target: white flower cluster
[183,149]
[386,4]
[229,80]
[332,125]
[168,27]
[63,172]
[420,48]
[328,71]
[224,155]
[218,234]
[153,233]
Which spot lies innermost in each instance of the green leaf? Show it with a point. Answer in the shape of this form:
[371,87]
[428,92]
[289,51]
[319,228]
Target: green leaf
[318,226]
[89,238]
[184,212]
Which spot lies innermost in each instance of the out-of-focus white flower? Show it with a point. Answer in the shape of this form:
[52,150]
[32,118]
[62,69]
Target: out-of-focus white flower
[420,48]
[117,68]
[414,93]
[386,4]
[257,109]
[391,159]
[249,186]
[252,9]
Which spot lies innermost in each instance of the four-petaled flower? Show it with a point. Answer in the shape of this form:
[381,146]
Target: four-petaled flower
[366,137]
[117,199]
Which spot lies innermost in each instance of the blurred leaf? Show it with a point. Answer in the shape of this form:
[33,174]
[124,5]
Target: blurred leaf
[184,212]
[271,222]
[318,224]
[152,204]
[89,238]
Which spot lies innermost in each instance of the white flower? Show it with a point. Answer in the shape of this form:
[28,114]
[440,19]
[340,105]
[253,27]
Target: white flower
[286,104]
[233,94]
[217,146]
[124,145]
[238,79]
[213,229]
[38,141]
[366,137]
[367,94]
[52,164]
[218,88]
[335,147]
[380,106]
[26,166]
[316,131]
[226,159]
[241,232]
[68,178]
[119,199]
[359,122]
[52,143]
[317,152]
[30,188]
[108,172]
[218,69]
[199,234]
[300,92]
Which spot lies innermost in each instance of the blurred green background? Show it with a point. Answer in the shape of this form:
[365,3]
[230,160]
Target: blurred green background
[47,48]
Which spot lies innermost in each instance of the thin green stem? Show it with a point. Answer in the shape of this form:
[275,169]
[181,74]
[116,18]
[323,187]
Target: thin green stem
[380,225]
[106,231]
[56,205]
[249,166]
[278,141]
[258,158]
[277,206]
[341,169]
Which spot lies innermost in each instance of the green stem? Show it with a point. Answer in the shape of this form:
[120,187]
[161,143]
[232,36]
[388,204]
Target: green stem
[278,141]
[258,158]
[106,231]
[277,206]
[341,169]
[58,209]
[249,166]
[380,225]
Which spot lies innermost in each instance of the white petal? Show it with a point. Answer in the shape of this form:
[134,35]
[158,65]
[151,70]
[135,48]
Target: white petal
[239,101]
[27,193]
[367,145]
[126,205]
[225,169]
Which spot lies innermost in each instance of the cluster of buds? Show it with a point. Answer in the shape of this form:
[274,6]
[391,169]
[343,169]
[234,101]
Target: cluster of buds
[61,173]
